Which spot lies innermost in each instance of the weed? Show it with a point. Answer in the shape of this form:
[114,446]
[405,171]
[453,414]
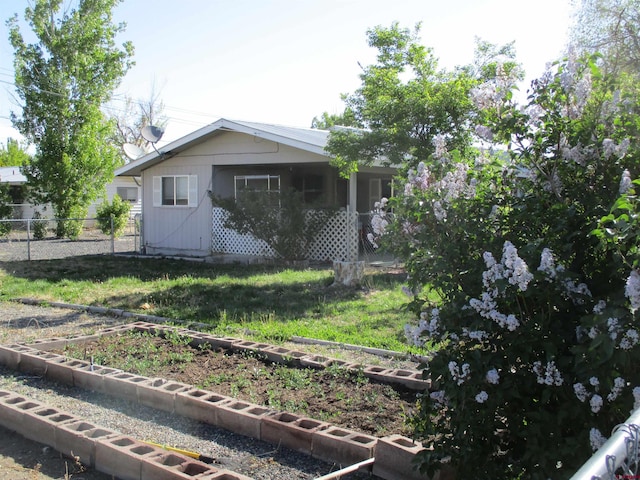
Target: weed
[293,378]
[176,338]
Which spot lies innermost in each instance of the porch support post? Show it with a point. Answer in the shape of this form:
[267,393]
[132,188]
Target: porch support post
[353,192]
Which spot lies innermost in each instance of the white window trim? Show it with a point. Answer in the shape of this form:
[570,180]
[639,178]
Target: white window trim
[193,191]
[246,178]
[122,190]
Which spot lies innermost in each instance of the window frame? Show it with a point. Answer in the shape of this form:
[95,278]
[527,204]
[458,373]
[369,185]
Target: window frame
[247,178]
[159,197]
[119,191]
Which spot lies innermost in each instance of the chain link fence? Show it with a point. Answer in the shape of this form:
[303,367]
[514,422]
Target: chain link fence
[35,239]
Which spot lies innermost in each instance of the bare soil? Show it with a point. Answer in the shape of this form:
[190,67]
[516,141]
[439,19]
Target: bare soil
[336,395]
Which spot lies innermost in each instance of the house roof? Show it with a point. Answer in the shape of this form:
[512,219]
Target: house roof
[12,175]
[307,139]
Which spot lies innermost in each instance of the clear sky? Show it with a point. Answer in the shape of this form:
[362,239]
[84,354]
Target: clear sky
[286,61]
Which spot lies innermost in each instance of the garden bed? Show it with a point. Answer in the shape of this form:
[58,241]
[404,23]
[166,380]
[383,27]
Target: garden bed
[334,394]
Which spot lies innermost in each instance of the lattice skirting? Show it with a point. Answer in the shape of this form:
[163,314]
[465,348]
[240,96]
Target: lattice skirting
[337,241]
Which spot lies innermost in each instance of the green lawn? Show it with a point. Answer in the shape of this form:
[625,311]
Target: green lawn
[272,303]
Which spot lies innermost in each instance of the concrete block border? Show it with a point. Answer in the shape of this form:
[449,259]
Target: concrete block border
[393,455]
[105,450]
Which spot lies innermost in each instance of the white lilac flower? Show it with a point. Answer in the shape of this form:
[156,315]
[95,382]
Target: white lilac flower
[625,182]
[512,322]
[493,377]
[477,335]
[440,143]
[623,147]
[596,403]
[428,323]
[372,240]
[413,335]
[548,375]
[593,332]
[599,307]
[454,184]
[572,289]
[535,112]
[594,382]
[439,212]
[575,154]
[632,290]
[517,270]
[596,439]
[482,397]
[613,327]
[630,339]
[379,224]
[419,178]
[547,264]
[484,133]
[608,147]
[438,397]
[489,261]
[580,391]
[459,375]
[618,385]
[636,397]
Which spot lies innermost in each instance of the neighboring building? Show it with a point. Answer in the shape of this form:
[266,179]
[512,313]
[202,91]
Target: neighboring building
[13,177]
[226,156]
[127,187]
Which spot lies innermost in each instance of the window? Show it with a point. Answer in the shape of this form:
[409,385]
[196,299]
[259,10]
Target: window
[310,185]
[269,185]
[259,183]
[175,190]
[129,194]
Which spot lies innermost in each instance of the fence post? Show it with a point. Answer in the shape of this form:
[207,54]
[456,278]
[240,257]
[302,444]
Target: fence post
[621,449]
[28,239]
[113,241]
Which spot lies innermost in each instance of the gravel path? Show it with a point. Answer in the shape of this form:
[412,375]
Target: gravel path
[253,458]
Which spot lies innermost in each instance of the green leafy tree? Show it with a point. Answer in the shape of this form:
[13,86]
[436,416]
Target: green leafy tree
[13,154]
[63,80]
[404,102]
[610,28]
[329,121]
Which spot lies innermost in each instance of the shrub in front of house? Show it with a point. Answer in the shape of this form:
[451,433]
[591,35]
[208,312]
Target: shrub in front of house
[281,219]
[38,226]
[117,211]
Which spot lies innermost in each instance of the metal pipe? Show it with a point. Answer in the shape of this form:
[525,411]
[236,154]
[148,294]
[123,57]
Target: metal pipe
[352,468]
[614,451]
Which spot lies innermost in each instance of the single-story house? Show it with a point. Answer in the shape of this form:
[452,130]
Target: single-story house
[127,187]
[178,217]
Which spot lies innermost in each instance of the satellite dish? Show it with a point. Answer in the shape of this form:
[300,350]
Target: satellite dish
[132,151]
[151,134]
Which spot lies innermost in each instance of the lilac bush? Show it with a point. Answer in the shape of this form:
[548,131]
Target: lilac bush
[531,245]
